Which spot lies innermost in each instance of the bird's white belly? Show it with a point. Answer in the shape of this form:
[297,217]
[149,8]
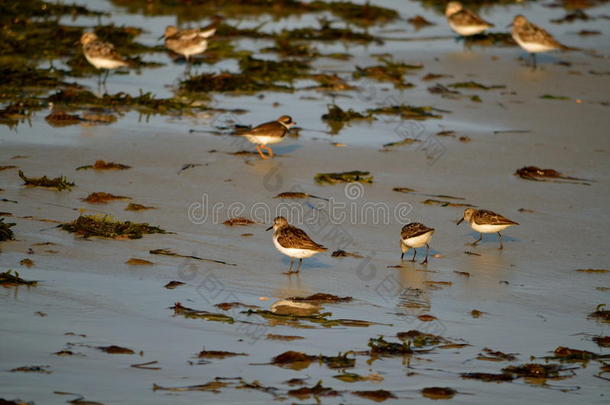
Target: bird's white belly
[264,140]
[533,47]
[105,63]
[295,253]
[467,30]
[194,50]
[418,241]
[488,228]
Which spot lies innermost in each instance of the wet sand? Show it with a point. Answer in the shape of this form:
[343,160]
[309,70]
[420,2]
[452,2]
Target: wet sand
[531,297]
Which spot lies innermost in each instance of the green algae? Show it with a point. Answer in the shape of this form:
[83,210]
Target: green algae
[344,177]
[107,227]
[273,71]
[226,82]
[59,183]
[12,280]
[379,346]
[190,313]
[408,112]
[388,71]
[6,232]
[337,118]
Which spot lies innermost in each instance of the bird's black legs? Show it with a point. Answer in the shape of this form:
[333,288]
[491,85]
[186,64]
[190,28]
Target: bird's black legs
[291,263]
[414,254]
[300,264]
[426,259]
[500,239]
[534,61]
[402,255]
[478,240]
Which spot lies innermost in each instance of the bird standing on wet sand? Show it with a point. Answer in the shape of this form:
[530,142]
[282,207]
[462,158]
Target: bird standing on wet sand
[293,242]
[189,42]
[101,54]
[485,221]
[463,21]
[269,133]
[415,235]
[534,39]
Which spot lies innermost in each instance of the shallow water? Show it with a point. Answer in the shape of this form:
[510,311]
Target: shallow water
[532,298]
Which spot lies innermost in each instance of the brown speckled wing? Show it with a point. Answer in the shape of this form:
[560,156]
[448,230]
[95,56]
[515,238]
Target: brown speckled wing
[414,229]
[183,41]
[466,17]
[532,33]
[293,237]
[100,49]
[486,217]
[272,128]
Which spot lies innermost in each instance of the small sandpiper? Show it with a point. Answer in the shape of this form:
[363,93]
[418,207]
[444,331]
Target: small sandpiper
[534,39]
[101,54]
[413,236]
[189,42]
[463,21]
[293,242]
[485,221]
[269,133]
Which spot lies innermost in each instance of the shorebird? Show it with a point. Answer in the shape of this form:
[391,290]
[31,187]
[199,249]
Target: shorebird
[293,242]
[101,54]
[269,133]
[413,236]
[485,221]
[463,21]
[534,39]
[189,42]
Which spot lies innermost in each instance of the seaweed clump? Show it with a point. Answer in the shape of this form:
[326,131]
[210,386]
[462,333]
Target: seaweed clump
[600,314]
[380,346]
[389,71]
[59,183]
[12,280]
[490,39]
[375,395]
[438,392]
[103,198]
[420,339]
[534,370]
[317,390]
[6,232]
[226,82]
[362,14]
[179,309]
[344,177]
[103,165]
[106,227]
[562,353]
[475,85]
[336,117]
[145,103]
[273,71]
[327,32]
[408,112]
[299,361]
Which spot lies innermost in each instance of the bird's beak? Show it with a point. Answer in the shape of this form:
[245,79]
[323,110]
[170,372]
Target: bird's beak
[268,229]
[161,37]
[460,221]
